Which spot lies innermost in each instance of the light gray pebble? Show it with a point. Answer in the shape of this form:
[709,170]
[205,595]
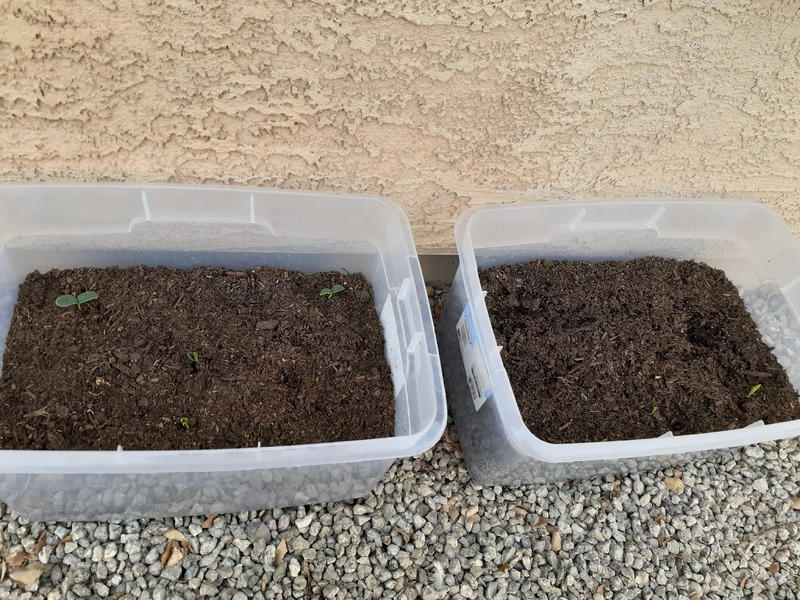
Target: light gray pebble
[330,591]
[160,592]
[114,531]
[81,590]
[172,573]
[207,546]
[109,552]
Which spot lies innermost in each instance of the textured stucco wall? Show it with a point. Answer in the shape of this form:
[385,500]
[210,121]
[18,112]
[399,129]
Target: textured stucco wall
[437,105]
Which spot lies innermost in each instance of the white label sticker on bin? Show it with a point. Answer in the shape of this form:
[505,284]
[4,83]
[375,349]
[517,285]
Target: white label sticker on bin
[474,365]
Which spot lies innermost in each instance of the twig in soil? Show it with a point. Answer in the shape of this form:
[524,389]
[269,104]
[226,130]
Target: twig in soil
[42,412]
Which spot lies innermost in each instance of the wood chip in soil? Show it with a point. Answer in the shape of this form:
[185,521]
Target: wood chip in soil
[621,350]
[278,363]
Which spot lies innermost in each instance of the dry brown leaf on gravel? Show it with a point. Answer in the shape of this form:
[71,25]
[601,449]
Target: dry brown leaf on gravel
[661,537]
[40,544]
[176,557]
[209,521]
[17,559]
[674,484]
[174,534]
[165,556]
[280,552]
[26,575]
[404,534]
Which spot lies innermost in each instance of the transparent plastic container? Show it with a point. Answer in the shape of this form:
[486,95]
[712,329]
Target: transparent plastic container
[746,240]
[63,226]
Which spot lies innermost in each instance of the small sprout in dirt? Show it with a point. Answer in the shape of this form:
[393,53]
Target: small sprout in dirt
[70,300]
[194,357]
[185,422]
[329,292]
[652,412]
[753,390]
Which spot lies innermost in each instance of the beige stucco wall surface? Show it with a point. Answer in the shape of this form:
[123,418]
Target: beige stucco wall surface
[438,105]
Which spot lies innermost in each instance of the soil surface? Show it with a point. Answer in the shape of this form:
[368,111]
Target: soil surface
[277,363]
[630,350]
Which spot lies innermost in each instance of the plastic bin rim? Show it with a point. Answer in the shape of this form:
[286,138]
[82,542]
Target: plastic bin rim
[395,208]
[116,461]
[464,221]
[651,447]
[22,185]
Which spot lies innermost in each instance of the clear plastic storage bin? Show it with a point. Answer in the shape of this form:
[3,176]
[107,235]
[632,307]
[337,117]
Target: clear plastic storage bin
[63,226]
[746,240]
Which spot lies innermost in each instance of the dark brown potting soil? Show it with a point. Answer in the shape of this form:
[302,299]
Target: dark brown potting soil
[630,350]
[277,363]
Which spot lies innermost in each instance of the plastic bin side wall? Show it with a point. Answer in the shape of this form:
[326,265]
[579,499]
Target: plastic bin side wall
[487,451]
[89,497]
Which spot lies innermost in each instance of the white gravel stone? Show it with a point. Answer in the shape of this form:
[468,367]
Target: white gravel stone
[294,567]
[760,485]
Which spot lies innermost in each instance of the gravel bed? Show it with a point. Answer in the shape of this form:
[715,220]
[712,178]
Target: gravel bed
[728,529]
[721,528]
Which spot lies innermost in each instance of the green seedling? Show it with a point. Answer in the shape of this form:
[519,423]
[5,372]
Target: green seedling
[753,390]
[194,360]
[185,422]
[70,300]
[329,292]
[652,412]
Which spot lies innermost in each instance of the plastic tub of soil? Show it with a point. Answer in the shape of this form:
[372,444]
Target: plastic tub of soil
[591,338]
[212,349]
